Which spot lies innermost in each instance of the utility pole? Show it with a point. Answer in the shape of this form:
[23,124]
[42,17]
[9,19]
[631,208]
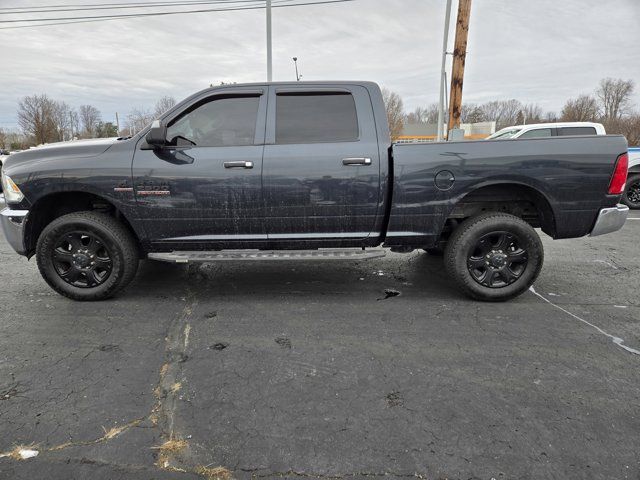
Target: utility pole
[443,71]
[118,124]
[269,66]
[459,54]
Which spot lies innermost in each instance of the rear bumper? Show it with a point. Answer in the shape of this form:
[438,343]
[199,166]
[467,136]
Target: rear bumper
[13,222]
[610,220]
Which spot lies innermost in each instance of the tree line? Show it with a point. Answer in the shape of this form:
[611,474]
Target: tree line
[43,119]
[46,120]
[610,104]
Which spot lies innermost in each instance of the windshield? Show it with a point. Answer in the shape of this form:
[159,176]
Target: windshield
[503,134]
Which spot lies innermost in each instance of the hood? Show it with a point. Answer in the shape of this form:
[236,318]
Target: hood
[71,149]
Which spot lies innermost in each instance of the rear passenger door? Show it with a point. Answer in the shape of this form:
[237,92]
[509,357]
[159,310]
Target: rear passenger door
[321,164]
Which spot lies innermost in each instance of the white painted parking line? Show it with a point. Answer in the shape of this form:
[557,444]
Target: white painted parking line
[617,340]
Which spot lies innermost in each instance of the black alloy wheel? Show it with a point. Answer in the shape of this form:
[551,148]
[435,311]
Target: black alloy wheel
[497,259]
[87,255]
[494,256]
[81,259]
[631,194]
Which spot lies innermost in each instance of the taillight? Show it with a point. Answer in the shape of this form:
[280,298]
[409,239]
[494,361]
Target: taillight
[619,178]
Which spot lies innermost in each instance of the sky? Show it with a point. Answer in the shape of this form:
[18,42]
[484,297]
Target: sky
[538,51]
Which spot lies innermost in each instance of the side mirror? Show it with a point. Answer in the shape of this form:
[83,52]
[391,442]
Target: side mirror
[157,136]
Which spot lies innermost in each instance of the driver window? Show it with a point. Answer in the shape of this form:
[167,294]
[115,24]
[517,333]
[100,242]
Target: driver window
[221,122]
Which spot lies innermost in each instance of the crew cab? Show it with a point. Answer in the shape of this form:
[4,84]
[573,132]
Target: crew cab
[303,170]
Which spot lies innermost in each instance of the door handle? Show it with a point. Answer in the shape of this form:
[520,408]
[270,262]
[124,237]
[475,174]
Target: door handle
[238,164]
[356,161]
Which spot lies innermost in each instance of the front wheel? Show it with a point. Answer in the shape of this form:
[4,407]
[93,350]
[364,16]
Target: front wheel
[87,255]
[494,256]
[631,194]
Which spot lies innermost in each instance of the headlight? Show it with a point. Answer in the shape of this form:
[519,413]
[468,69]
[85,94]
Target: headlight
[11,191]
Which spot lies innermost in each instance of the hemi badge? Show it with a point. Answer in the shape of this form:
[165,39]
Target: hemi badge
[123,189]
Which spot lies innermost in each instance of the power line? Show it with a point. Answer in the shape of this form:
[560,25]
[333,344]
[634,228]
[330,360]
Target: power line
[114,4]
[118,6]
[73,20]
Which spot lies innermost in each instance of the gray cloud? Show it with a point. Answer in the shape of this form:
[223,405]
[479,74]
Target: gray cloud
[542,51]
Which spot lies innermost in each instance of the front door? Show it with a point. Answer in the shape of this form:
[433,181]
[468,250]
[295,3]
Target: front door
[321,164]
[205,187]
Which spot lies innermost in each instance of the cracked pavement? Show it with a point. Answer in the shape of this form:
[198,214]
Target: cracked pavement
[294,369]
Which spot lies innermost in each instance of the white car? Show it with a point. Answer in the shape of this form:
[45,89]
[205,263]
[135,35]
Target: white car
[3,155]
[631,195]
[540,130]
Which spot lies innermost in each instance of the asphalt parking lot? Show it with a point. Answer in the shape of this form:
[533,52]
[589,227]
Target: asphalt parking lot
[286,369]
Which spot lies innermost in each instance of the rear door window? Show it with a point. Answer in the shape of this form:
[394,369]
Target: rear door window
[314,117]
[564,131]
[538,133]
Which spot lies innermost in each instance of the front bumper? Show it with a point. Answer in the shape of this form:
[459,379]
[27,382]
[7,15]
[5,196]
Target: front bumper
[13,222]
[610,220]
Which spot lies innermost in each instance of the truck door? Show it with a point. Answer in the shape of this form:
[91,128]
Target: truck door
[321,164]
[205,185]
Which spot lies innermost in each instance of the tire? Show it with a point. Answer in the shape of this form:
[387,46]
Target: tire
[435,251]
[631,194]
[87,256]
[510,245]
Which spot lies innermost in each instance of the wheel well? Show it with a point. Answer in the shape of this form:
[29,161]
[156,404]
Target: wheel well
[52,206]
[519,200]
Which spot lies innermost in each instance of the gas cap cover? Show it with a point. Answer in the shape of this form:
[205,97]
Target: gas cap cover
[444,180]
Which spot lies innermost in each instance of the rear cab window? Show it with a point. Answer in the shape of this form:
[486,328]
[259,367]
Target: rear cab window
[316,117]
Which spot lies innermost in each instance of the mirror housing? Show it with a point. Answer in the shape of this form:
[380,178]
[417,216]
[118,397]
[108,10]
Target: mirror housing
[157,135]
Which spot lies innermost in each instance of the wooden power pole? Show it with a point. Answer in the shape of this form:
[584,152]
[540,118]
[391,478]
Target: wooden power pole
[459,54]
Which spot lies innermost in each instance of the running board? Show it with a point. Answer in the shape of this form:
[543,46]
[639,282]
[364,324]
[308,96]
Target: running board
[246,255]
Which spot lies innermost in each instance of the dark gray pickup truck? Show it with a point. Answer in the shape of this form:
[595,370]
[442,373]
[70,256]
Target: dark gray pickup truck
[303,170]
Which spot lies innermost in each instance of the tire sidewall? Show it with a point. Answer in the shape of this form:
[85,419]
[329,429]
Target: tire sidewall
[47,243]
[507,223]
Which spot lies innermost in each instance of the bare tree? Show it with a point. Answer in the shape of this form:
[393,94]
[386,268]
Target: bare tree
[629,126]
[62,119]
[162,105]
[138,119]
[426,115]
[89,118]
[395,114]
[36,118]
[581,109]
[471,113]
[532,113]
[614,96]
[503,112]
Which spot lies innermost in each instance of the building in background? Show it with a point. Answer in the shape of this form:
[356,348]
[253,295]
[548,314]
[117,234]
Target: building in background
[427,132]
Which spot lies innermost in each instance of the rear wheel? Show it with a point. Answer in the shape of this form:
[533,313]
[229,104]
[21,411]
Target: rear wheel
[87,256]
[494,256]
[631,194]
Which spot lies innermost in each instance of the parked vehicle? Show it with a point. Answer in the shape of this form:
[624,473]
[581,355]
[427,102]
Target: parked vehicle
[631,195]
[303,170]
[3,154]
[541,130]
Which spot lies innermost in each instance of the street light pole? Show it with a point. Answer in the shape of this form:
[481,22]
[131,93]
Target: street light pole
[443,71]
[269,66]
[295,62]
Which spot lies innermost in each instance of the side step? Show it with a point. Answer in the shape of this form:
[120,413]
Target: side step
[246,255]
